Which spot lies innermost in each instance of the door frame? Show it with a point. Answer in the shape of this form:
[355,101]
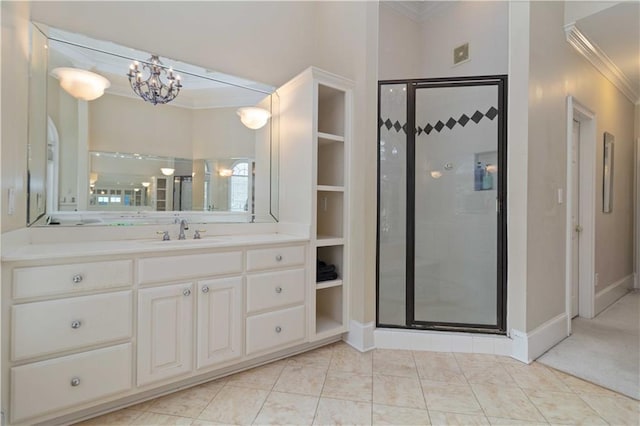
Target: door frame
[587,209]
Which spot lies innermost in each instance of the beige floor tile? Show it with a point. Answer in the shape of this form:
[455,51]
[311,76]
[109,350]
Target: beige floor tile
[156,419]
[341,412]
[318,358]
[580,386]
[236,405]
[497,421]
[117,418]
[505,402]
[388,415]
[397,391]
[495,374]
[186,403]
[263,377]
[198,422]
[475,360]
[536,377]
[143,406]
[617,410]
[301,380]
[350,386]
[457,419]
[351,361]
[439,367]
[287,409]
[564,408]
[450,397]
[394,363]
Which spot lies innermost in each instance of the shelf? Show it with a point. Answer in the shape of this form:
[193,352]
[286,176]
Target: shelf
[328,284]
[331,188]
[325,324]
[328,240]
[324,138]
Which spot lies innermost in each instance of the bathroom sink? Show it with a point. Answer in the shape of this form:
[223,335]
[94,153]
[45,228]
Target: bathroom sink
[189,241]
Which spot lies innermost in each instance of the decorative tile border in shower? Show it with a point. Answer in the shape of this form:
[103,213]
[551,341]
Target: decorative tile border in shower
[439,126]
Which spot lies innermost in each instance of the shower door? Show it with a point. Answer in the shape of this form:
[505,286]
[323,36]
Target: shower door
[441,233]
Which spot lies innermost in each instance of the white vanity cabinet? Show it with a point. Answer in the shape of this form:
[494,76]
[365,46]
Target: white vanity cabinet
[165,332]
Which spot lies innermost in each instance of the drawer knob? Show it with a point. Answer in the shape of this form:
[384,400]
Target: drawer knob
[186,292]
[77,279]
[279,257]
[205,289]
[75,381]
[278,329]
[278,289]
[76,324]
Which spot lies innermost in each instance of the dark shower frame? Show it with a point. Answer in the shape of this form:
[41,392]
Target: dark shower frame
[412,85]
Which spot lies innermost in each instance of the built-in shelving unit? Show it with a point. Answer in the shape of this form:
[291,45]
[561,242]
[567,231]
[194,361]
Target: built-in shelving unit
[315,186]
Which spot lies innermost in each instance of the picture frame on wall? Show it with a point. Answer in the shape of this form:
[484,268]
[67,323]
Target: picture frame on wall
[607,173]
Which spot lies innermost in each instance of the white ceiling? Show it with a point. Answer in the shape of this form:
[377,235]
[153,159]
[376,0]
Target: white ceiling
[616,31]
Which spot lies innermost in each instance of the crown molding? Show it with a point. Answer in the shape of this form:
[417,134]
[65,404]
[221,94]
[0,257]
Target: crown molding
[599,59]
[417,11]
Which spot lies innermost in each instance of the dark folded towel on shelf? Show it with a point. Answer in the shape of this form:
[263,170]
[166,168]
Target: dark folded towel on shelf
[325,272]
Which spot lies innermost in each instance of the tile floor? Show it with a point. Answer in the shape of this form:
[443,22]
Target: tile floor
[336,384]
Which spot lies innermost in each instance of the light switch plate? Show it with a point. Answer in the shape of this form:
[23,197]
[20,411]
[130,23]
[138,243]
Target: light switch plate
[461,54]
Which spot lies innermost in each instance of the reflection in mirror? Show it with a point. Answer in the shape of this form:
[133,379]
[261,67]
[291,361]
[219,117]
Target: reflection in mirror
[121,153]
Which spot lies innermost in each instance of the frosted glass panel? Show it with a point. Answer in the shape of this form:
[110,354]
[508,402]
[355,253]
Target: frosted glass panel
[393,204]
[456,177]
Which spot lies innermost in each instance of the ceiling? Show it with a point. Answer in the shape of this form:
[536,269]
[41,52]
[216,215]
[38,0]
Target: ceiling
[616,31]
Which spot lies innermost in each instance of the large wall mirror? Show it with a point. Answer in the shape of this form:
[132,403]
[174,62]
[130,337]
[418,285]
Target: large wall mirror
[116,157]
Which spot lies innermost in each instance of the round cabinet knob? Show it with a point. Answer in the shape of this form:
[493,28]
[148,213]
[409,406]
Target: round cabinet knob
[205,289]
[186,292]
[77,279]
[76,324]
[75,381]
[279,257]
[278,289]
[278,329]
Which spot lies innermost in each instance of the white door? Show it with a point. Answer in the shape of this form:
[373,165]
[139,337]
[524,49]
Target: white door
[165,332]
[219,321]
[575,217]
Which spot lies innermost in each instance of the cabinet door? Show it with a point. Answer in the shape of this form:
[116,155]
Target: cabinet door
[219,321]
[165,332]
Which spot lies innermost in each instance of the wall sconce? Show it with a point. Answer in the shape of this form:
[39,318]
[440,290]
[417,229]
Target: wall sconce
[146,184]
[81,84]
[225,172]
[167,171]
[436,174]
[253,117]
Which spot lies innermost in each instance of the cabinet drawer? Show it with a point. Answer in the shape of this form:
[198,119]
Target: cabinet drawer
[70,278]
[275,329]
[46,327]
[173,268]
[275,289]
[275,257]
[47,386]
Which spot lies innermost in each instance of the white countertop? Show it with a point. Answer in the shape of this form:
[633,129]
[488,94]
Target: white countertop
[61,250]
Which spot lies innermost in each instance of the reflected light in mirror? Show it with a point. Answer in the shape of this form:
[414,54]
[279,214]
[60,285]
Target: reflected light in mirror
[81,84]
[491,168]
[225,172]
[436,174]
[146,184]
[167,171]
[254,117]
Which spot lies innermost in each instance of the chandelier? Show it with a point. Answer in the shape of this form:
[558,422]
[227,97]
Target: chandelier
[154,89]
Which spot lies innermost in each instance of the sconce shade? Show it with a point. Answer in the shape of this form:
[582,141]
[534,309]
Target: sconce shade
[225,172]
[254,117]
[146,184]
[167,171]
[81,84]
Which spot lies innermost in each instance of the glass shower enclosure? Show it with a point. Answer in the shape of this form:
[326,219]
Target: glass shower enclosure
[441,204]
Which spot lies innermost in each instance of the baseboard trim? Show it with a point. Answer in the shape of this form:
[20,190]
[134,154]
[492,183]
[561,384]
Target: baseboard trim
[395,338]
[529,346]
[615,291]
[360,336]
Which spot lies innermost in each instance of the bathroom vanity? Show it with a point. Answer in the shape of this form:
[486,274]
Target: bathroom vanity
[97,325]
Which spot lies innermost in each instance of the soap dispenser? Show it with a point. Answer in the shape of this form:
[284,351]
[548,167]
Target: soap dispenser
[487,179]
[478,176]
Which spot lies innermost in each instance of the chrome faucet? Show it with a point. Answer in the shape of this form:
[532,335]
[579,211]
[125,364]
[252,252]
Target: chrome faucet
[183,225]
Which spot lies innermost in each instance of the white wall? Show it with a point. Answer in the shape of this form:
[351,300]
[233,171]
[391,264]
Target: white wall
[399,43]
[15,71]
[556,71]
